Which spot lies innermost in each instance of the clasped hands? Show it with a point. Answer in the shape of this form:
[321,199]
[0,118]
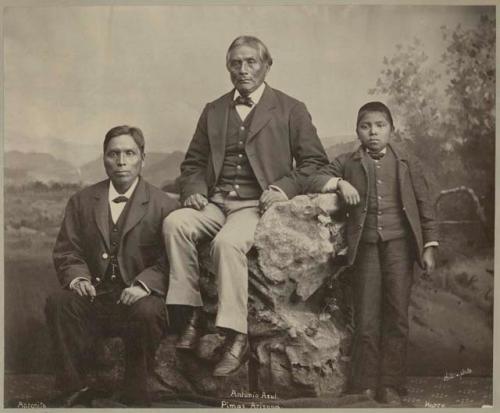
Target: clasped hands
[129,296]
[268,197]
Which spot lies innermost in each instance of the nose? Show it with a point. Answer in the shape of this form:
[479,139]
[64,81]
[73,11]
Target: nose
[121,159]
[244,68]
[373,130]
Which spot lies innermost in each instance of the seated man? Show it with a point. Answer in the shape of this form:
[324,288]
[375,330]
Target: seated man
[239,162]
[110,262]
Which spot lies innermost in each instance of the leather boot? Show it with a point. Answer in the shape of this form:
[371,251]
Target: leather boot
[235,355]
[188,340]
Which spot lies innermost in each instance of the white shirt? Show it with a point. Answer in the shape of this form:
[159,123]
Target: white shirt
[244,110]
[117,209]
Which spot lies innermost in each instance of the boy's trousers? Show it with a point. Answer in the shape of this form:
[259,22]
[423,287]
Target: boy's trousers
[382,276]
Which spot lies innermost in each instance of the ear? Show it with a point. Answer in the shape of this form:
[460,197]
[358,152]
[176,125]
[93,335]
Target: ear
[143,159]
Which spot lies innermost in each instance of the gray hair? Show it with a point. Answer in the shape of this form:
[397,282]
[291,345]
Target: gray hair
[254,42]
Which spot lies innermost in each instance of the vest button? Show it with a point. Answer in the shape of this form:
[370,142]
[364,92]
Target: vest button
[238,166]
[380,228]
[240,155]
[105,256]
[237,186]
[113,277]
[114,243]
[97,280]
[360,226]
[115,229]
[242,128]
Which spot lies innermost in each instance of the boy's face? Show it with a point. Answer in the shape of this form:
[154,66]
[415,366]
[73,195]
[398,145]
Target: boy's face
[374,131]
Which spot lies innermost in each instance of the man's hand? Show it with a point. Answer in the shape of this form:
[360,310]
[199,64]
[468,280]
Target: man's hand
[132,294]
[196,201]
[268,198]
[84,288]
[429,260]
[348,192]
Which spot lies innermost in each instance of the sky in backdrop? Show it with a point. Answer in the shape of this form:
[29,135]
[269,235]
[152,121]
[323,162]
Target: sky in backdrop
[72,73]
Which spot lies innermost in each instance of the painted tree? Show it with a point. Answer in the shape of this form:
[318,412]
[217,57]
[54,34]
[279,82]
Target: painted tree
[448,112]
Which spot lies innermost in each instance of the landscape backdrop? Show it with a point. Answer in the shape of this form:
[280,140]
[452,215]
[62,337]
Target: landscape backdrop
[72,73]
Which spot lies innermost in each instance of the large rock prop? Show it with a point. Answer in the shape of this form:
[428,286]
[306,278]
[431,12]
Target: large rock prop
[297,315]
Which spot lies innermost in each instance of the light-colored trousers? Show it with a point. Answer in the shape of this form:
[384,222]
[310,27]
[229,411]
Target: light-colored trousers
[230,223]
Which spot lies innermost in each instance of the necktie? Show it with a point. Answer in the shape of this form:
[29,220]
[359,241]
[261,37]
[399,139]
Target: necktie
[376,155]
[244,100]
[120,199]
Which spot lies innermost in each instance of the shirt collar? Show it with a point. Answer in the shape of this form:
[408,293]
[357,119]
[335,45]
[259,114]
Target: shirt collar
[113,193]
[255,95]
[382,151]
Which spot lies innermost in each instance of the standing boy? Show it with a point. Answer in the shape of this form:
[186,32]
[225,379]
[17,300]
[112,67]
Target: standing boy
[390,218]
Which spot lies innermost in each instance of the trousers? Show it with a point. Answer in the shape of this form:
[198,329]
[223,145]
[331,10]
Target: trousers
[74,324]
[230,225]
[382,276]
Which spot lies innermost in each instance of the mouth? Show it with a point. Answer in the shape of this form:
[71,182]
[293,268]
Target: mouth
[122,173]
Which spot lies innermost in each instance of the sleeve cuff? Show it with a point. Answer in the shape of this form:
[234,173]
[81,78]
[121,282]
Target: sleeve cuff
[331,184]
[277,188]
[144,286]
[431,244]
[75,280]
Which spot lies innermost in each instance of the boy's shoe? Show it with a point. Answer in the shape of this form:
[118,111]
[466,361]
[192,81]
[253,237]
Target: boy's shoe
[390,396]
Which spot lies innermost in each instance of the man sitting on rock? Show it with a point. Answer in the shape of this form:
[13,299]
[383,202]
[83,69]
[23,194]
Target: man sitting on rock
[239,162]
[110,261]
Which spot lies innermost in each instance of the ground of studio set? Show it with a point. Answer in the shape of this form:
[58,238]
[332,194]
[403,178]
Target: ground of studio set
[31,391]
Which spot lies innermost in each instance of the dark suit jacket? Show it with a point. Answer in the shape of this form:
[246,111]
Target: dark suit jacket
[416,195]
[82,247]
[281,132]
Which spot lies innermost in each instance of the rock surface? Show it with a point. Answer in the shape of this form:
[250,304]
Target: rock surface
[298,330]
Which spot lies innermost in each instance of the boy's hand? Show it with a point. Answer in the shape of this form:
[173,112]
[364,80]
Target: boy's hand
[348,192]
[429,260]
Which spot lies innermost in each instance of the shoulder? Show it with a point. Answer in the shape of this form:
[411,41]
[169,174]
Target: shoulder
[283,97]
[222,99]
[159,196]
[90,192]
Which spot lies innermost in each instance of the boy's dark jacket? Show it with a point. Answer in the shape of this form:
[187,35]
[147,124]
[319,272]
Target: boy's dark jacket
[418,203]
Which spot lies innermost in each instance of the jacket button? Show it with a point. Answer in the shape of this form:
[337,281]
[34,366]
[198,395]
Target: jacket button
[105,256]
[97,279]
[113,277]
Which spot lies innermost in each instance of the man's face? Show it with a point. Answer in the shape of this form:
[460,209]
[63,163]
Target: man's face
[246,68]
[374,131]
[123,161]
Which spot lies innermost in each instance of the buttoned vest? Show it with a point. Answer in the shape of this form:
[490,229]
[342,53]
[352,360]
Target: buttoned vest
[115,235]
[385,219]
[237,174]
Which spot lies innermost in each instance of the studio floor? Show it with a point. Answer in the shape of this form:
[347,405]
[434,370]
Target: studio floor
[433,392]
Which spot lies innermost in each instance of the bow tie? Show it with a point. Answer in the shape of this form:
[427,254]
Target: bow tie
[376,155]
[120,199]
[244,100]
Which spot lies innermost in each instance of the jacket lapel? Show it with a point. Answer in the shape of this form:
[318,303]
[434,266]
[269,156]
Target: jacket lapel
[138,207]
[217,130]
[101,211]
[263,112]
[401,160]
[360,156]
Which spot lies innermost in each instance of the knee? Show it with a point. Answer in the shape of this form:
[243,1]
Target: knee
[147,311]
[62,302]
[221,244]
[178,222]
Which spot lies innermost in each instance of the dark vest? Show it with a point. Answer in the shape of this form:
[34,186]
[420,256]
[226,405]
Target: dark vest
[385,219]
[237,174]
[115,234]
